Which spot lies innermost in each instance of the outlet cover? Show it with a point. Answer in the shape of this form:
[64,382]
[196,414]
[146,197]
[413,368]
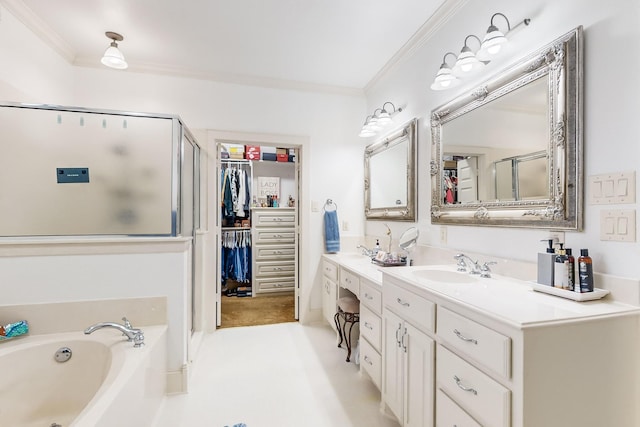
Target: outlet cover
[618,225]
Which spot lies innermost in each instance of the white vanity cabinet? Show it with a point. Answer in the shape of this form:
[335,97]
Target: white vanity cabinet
[408,356]
[274,259]
[329,291]
[371,330]
[506,356]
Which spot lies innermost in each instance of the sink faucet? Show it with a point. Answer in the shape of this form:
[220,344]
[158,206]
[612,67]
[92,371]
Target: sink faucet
[366,251]
[467,264]
[133,334]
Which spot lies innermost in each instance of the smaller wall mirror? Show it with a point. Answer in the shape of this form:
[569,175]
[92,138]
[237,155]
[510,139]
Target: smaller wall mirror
[390,175]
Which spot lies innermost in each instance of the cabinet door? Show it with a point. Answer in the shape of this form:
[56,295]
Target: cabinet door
[419,378]
[329,298]
[393,360]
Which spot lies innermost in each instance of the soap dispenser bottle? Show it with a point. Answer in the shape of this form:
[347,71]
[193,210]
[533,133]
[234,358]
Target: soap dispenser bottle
[585,271]
[546,261]
[560,269]
[571,267]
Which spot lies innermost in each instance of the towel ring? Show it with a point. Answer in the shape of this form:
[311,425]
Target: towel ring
[330,206]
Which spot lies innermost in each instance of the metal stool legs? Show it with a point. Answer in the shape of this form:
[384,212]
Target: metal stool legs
[349,320]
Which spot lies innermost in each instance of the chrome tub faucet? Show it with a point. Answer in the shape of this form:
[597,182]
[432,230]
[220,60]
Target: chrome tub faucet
[133,334]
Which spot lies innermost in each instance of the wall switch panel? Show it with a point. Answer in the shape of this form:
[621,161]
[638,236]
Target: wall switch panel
[612,188]
[618,225]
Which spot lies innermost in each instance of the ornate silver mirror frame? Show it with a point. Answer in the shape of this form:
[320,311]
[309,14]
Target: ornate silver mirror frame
[560,62]
[390,175]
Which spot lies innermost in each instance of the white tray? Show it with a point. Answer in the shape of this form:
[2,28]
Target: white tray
[576,296]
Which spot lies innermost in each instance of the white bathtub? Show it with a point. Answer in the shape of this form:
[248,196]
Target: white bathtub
[106,382]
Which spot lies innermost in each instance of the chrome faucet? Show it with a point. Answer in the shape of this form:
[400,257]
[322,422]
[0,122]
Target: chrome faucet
[467,264]
[132,334]
[366,251]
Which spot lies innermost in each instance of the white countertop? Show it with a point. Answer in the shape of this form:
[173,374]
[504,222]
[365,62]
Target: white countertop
[503,298]
[510,300]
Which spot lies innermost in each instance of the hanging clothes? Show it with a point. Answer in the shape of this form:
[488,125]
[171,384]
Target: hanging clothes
[236,255]
[235,192]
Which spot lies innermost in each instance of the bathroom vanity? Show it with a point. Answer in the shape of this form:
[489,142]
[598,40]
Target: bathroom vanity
[462,350]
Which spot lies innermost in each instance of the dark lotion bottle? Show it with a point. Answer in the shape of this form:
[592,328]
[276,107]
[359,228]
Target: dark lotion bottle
[585,270]
[571,267]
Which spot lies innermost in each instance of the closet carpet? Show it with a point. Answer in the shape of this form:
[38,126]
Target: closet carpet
[261,310]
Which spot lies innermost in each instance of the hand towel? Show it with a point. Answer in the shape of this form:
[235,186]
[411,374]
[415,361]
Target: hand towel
[331,232]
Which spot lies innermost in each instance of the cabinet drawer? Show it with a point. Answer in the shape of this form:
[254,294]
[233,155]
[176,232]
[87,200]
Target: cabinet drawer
[330,270]
[371,296]
[275,268]
[371,327]
[448,414]
[350,281]
[285,252]
[482,344]
[272,284]
[273,236]
[475,392]
[274,218]
[412,307]
[371,362]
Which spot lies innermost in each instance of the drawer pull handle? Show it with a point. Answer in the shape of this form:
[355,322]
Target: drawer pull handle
[403,303]
[459,384]
[368,325]
[367,296]
[463,338]
[366,359]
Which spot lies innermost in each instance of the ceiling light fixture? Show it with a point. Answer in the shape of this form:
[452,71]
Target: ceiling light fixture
[112,57]
[468,62]
[380,118]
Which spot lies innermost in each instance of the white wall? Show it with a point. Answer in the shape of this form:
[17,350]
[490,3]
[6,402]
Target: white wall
[611,104]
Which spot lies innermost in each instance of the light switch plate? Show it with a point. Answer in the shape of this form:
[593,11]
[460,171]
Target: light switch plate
[618,225]
[612,188]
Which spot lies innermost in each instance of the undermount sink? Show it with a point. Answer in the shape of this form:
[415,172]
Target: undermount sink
[444,276]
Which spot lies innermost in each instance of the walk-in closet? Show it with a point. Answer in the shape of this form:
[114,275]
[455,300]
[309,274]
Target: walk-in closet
[258,244]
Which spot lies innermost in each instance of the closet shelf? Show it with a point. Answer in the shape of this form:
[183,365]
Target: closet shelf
[235,228]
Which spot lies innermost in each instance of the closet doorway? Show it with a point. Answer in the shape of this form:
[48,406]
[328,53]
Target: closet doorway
[258,233]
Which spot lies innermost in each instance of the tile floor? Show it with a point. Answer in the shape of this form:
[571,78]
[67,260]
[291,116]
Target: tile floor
[283,375]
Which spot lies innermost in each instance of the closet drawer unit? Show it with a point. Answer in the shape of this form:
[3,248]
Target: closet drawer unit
[448,414]
[275,268]
[371,296]
[274,284]
[412,307]
[482,344]
[330,270]
[280,252]
[371,327]
[274,218]
[265,235]
[371,362]
[478,394]
[350,281]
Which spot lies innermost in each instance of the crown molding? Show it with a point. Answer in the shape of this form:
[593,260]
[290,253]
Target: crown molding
[441,16]
[40,28]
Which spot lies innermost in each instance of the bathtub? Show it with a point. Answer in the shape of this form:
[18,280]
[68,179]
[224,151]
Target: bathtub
[106,382]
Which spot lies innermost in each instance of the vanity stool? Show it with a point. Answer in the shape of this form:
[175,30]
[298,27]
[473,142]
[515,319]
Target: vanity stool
[349,312]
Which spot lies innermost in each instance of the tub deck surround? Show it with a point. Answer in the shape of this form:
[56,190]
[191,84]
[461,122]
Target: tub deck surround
[106,381]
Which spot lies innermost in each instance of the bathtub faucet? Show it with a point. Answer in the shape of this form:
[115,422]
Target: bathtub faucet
[133,334]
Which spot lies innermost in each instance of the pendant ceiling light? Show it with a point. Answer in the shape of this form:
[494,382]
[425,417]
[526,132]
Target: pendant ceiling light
[112,57]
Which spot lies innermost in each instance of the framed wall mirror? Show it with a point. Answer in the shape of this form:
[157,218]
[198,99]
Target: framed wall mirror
[509,153]
[390,175]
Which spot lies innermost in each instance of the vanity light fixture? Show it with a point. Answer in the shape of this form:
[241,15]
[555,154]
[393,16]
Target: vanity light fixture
[445,78]
[112,57]
[380,118]
[467,62]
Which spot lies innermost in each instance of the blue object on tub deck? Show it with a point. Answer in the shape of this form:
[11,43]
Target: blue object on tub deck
[15,329]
